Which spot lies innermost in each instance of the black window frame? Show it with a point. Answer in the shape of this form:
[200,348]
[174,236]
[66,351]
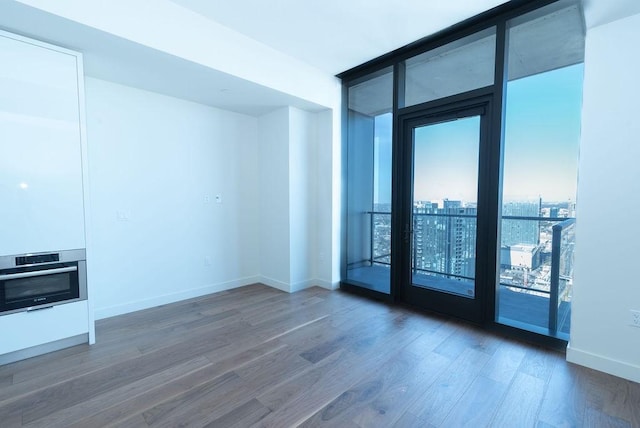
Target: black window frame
[497,17]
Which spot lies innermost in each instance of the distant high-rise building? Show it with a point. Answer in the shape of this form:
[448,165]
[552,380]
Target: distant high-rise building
[520,232]
[445,238]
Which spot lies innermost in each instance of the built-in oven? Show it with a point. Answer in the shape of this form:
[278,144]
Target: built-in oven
[37,281]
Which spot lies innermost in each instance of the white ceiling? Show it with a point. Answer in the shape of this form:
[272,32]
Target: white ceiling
[336,35]
[332,35]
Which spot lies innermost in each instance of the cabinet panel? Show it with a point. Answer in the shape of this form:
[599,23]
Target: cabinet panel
[40,150]
[26,329]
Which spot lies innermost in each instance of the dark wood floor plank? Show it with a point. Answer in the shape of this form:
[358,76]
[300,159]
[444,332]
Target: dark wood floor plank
[564,402]
[540,363]
[350,310]
[215,328]
[381,397]
[204,405]
[343,408]
[278,396]
[430,340]
[66,366]
[11,417]
[596,418]
[74,366]
[24,366]
[277,305]
[390,405]
[256,356]
[6,381]
[521,403]
[353,338]
[245,415]
[202,398]
[222,364]
[271,368]
[434,406]
[219,366]
[634,403]
[134,421]
[409,420]
[504,364]
[239,353]
[611,395]
[477,405]
[350,369]
[69,415]
[468,338]
[77,390]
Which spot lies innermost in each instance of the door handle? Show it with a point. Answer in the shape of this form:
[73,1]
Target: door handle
[43,272]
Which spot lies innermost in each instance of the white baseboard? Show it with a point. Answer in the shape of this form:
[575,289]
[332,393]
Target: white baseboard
[164,299]
[327,284]
[274,283]
[292,288]
[598,362]
[302,285]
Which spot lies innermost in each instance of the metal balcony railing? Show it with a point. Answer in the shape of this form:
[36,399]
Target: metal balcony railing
[561,252]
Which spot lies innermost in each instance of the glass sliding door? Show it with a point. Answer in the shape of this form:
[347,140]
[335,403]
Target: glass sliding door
[368,157]
[540,161]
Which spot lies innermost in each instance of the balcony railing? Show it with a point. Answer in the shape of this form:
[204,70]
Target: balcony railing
[561,258]
[561,268]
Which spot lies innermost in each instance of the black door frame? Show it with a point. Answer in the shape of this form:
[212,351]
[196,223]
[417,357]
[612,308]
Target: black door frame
[478,102]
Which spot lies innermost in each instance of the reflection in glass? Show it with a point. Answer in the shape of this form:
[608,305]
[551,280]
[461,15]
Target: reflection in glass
[457,67]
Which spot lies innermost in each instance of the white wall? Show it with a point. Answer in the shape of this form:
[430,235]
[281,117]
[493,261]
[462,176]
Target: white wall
[327,275]
[296,179]
[154,161]
[606,278]
[302,198]
[273,202]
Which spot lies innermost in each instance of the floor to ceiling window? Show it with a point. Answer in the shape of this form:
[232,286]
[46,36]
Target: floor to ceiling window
[461,169]
[368,158]
[540,168]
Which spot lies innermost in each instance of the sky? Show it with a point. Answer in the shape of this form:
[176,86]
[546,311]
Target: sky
[542,135]
[446,161]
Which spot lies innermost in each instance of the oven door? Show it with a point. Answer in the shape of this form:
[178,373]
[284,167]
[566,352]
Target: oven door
[34,286]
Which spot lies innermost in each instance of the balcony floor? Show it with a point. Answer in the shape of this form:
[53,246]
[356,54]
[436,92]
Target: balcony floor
[515,308]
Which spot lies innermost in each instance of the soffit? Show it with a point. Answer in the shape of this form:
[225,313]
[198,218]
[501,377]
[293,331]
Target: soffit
[336,35]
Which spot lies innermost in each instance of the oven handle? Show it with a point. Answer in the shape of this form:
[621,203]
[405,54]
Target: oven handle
[37,273]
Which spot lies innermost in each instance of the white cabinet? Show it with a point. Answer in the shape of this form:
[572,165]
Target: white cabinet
[41,174]
[42,171]
[25,330]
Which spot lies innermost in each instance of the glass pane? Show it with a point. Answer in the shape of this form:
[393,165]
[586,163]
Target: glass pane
[457,67]
[445,190]
[369,182]
[542,134]
[29,287]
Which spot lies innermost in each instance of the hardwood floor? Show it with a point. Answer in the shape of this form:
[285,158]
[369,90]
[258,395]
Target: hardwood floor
[255,356]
